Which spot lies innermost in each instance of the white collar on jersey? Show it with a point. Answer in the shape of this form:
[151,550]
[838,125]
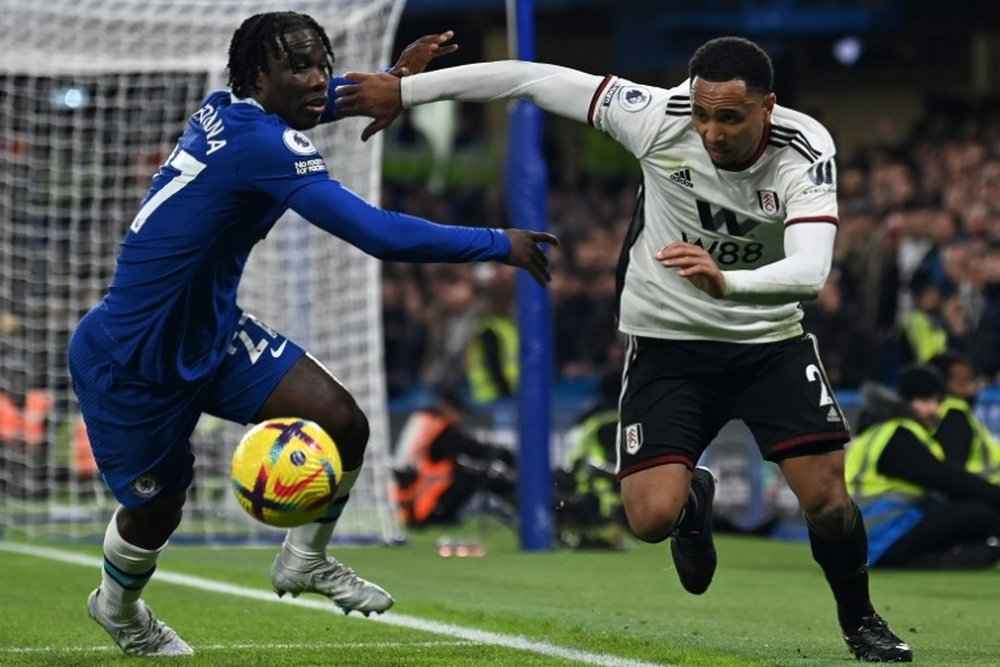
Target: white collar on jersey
[244,100]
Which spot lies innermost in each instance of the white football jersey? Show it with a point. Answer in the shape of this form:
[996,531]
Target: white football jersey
[738,216]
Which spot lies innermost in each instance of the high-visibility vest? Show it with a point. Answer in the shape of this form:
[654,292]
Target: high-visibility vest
[926,337]
[889,505]
[589,451]
[984,451]
[481,383]
[418,499]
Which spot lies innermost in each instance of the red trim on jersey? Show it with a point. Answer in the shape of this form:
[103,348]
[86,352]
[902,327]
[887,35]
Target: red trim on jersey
[593,100]
[813,218]
[657,461]
[809,438]
[761,147]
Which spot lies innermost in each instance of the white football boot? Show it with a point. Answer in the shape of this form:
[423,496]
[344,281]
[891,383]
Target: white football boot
[331,578]
[141,635]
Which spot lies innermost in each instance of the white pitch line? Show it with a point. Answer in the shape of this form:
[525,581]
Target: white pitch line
[515,642]
[244,646]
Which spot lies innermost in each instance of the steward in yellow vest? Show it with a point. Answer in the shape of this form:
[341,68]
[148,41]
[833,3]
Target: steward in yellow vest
[491,360]
[965,439]
[923,332]
[896,472]
[589,512]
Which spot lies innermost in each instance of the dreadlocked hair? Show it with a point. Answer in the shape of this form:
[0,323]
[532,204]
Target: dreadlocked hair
[260,34]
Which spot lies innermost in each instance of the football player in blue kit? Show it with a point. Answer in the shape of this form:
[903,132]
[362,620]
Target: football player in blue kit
[168,341]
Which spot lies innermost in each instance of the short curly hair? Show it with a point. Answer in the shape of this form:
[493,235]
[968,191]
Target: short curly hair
[728,58]
[262,33]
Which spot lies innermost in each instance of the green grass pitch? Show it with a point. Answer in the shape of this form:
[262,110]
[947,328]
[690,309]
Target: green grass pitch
[768,605]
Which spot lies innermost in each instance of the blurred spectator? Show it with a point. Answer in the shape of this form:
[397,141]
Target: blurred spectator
[438,466]
[985,347]
[923,330]
[492,361]
[404,331]
[589,512]
[966,441]
[920,509]
[451,317]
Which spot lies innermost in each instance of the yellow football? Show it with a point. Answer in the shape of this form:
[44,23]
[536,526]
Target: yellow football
[285,471]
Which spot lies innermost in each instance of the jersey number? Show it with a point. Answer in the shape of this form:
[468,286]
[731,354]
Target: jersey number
[254,350]
[813,374]
[189,168]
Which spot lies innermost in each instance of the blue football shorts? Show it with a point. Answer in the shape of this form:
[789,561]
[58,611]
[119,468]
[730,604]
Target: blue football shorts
[140,432]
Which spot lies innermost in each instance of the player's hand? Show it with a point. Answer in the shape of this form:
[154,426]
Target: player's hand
[415,58]
[526,253]
[374,95]
[694,263]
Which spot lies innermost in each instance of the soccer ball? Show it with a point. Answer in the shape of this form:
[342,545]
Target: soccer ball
[285,471]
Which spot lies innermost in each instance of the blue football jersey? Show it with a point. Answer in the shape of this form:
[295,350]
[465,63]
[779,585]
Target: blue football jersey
[171,305]
[171,310]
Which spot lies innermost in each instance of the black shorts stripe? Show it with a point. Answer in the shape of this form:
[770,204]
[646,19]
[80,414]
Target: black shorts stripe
[631,351]
[826,379]
[679,113]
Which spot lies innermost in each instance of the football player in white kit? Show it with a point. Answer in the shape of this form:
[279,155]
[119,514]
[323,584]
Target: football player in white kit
[735,224]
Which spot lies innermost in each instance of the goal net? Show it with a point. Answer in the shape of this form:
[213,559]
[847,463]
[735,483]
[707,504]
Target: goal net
[93,96]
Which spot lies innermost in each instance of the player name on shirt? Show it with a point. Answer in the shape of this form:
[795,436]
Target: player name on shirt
[210,120]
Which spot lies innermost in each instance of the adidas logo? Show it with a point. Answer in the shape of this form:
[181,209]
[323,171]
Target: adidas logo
[682,177]
[833,415]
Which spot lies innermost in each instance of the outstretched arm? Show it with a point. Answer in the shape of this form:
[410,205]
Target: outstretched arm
[414,59]
[417,56]
[800,275]
[560,90]
[398,236]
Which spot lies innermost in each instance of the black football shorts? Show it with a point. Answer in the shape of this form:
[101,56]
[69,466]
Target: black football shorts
[677,394]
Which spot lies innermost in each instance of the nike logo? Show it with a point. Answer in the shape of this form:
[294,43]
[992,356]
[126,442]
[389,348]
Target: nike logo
[281,348]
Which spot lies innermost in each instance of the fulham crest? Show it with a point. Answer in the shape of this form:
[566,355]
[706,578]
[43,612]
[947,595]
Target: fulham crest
[768,200]
[633,438]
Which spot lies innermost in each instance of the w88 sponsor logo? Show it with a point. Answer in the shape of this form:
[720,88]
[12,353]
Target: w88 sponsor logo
[727,253]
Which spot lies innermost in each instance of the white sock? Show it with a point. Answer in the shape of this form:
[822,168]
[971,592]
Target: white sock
[309,542]
[126,570]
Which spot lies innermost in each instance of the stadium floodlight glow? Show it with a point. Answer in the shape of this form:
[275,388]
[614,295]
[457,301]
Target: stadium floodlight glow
[847,50]
[70,98]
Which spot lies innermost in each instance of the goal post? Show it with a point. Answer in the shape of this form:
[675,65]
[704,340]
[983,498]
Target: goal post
[93,96]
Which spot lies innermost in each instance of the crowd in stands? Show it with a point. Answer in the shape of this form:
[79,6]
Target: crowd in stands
[916,268]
